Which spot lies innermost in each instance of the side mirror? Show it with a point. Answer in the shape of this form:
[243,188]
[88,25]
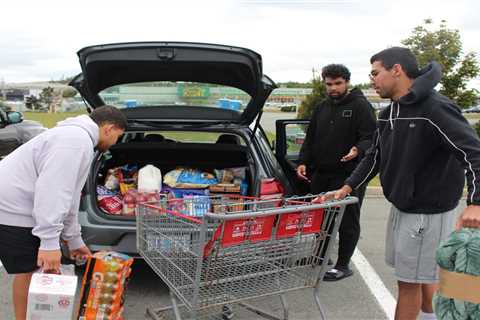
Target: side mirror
[14,117]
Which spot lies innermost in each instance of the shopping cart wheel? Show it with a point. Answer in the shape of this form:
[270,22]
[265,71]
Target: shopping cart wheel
[227,313]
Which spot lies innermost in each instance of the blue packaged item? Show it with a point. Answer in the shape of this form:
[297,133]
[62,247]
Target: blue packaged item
[192,176]
[180,193]
[244,188]
[196,206]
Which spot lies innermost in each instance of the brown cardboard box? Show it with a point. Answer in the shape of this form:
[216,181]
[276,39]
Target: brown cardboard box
[225,188]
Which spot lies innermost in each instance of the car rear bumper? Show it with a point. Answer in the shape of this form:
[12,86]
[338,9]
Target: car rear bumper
[121,238]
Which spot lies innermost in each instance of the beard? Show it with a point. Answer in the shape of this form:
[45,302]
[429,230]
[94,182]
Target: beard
[337,96]
[385,94]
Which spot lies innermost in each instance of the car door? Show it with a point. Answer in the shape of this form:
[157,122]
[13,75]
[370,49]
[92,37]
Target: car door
[290,135]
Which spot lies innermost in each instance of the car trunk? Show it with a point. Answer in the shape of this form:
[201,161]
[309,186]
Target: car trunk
[167,156]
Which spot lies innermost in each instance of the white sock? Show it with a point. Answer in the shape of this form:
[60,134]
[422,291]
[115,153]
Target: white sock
[427,316]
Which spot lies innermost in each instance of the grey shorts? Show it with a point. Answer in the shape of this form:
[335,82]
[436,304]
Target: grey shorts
[411,243]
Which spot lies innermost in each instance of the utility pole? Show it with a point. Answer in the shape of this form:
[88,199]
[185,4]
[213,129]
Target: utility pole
[313,74]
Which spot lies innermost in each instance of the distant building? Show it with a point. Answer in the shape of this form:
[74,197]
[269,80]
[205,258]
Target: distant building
[15,94]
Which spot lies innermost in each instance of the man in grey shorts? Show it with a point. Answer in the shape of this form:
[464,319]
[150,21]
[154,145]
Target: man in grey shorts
[423,148]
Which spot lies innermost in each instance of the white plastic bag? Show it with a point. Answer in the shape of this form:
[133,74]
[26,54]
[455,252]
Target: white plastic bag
[149,179]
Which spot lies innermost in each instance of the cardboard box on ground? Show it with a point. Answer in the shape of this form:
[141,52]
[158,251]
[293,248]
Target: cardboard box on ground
[52,296]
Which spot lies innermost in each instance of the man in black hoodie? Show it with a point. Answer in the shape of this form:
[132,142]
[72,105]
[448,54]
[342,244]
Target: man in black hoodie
[339,133]
[423,148]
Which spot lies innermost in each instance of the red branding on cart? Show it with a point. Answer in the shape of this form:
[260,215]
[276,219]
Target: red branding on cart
[305,222]
[241,229]
[294,222]
[238,231]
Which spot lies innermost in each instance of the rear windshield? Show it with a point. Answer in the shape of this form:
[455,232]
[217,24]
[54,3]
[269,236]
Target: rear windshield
[186,136]
[146,94]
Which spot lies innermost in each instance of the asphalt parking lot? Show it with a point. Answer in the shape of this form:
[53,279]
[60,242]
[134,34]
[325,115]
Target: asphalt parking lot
[368,294]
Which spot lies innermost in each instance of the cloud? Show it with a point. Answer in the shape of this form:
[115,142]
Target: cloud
[292,36]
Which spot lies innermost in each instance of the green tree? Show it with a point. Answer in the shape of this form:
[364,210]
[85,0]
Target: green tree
[363,86]
[445,46]
[293,84]
[307,106]
[33,103]
[47,97]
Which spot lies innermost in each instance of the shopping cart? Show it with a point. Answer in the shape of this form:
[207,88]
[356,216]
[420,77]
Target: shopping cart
[215,252]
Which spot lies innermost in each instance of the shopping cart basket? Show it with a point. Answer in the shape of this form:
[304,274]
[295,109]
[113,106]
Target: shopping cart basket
[216,251]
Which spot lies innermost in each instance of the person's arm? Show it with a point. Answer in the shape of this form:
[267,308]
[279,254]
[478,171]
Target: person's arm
[306,152]
[368,167]
[305,155]
[71,228]
[366,126]
[54,190]
[365,123]
[363,173]
[461,139]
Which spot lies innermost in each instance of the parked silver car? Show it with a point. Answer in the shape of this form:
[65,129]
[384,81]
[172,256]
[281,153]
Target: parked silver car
[177,120]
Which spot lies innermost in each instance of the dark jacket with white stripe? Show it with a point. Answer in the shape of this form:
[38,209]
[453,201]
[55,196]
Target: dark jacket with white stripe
[423,147]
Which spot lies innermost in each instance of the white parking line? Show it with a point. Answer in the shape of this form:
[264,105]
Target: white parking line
[375,284]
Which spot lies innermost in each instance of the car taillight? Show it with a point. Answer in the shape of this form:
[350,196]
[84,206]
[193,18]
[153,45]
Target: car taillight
[271,188]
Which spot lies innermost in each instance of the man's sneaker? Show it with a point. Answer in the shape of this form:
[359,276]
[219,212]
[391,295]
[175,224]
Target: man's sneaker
[337,274]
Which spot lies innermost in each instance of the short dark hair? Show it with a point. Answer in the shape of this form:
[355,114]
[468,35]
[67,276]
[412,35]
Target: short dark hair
[109,114]
[398,55]
[335,71]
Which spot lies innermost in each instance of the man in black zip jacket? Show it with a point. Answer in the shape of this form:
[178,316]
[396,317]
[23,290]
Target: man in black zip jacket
[423,148]
[339,133]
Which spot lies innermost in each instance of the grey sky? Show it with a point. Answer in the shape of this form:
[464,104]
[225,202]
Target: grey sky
[39,39]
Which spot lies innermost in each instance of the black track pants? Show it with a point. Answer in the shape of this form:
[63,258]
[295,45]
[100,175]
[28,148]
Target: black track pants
[349,231]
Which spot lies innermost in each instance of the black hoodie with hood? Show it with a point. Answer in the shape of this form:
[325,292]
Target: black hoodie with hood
[423,148]
[335,127]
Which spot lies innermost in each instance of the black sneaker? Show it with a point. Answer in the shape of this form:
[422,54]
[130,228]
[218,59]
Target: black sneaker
[337,274]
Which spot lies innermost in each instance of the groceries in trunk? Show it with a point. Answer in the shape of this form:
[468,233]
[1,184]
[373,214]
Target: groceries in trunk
[123,187]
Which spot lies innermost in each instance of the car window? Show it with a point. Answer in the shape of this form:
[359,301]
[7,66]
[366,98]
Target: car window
[193,136]
[295,134]
[150,94]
